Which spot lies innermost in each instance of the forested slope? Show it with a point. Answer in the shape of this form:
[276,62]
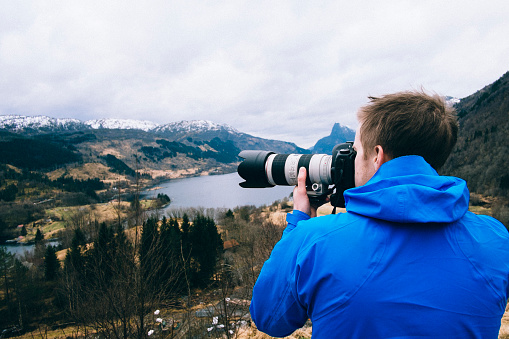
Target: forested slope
[480,156]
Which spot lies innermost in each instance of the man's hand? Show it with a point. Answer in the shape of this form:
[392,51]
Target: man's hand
[300,196]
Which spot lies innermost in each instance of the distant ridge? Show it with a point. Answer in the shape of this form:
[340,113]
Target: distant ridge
[193,126]
[189,132]
[143,125]
[338,135]
[42,124]
[19,123]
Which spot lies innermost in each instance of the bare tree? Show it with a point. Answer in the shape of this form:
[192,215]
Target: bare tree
[119,285]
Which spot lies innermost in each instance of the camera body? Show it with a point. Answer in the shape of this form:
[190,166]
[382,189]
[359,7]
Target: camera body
[267,169]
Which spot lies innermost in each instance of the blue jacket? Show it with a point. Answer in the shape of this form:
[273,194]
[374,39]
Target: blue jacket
[407,260]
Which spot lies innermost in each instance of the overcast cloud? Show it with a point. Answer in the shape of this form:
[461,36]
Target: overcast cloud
[283,70]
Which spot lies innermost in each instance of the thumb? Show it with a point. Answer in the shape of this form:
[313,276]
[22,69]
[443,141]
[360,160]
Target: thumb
[301,178]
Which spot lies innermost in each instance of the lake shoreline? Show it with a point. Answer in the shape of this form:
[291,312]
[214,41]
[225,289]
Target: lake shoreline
[215,191]
[155,183]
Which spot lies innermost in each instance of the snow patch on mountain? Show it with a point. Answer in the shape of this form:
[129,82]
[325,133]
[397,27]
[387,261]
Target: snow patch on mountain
[20,122]
[451,101]
[143,125]
[194,126]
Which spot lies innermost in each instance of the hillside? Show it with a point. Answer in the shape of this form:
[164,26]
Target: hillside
[169,151]
[480,154]
[47,162]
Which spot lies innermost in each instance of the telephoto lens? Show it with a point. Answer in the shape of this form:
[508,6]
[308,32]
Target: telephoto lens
[267,169]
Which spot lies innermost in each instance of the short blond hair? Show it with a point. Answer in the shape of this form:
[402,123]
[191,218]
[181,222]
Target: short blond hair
[409,123]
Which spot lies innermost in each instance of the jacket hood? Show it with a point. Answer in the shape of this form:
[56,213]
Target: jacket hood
[408,190]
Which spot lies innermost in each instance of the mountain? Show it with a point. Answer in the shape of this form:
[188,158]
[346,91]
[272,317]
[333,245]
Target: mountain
[185,126]
[338,135]
[480,155]
[42,124]
[451,100]
[143,125]
[201,130]
[92,147]
[38,124]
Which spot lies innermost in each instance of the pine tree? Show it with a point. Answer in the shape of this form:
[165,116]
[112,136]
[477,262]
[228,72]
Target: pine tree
[3,227]
[206,249]
[102,255]
[38,236]
[149,235]
[51,264]
[229,214]
[172,270]
[74,261]
[122,245]
[6,269]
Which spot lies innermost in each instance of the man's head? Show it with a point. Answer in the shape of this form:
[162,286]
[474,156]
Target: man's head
[405,123]
[409,123]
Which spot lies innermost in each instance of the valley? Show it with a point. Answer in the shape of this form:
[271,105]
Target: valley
[81,183]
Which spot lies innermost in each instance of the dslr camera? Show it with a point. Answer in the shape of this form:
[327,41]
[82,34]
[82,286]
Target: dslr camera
[326,174]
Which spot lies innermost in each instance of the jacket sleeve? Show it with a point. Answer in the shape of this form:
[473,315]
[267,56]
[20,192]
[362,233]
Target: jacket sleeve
[275,308]
[292,219]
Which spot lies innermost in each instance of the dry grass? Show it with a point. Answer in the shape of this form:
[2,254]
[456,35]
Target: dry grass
[171,174]
[253,333]
[246,333]
[62,333]
[504,328]
[89,170]
[100,212]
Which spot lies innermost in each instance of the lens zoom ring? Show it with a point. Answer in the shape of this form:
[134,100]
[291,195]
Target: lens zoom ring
[278,169]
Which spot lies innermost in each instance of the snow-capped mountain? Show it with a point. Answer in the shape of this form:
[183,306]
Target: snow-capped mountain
[143,125]
[194,126]
[451,101]
[21,123]
[187,131]
[18,123]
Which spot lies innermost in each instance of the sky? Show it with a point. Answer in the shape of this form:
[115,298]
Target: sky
[285,70]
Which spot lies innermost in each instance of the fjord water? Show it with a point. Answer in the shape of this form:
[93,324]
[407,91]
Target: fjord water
[217,191]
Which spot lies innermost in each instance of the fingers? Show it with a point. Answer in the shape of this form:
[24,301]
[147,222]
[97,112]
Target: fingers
[300,197]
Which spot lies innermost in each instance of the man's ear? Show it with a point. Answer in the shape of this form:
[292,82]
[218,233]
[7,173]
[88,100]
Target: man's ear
[380,157]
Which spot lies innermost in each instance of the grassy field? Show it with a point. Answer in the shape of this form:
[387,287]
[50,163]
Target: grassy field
[59,218]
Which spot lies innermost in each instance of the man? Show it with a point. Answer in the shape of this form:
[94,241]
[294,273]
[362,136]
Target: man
[407,259]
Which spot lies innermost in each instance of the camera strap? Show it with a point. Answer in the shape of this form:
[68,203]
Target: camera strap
[335,196]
